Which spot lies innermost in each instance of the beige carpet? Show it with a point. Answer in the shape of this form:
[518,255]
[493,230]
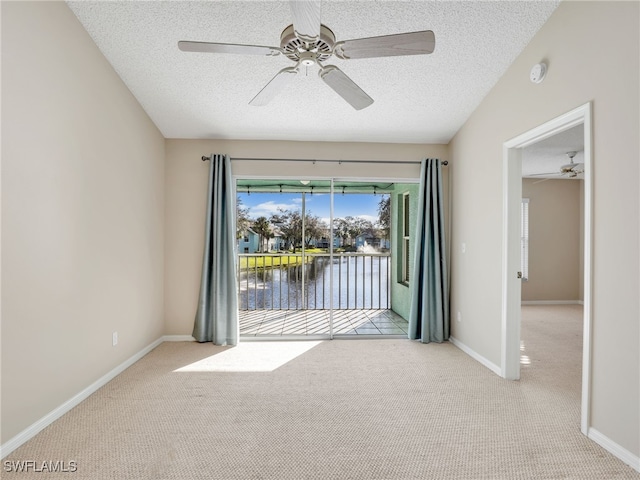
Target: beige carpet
[359,409]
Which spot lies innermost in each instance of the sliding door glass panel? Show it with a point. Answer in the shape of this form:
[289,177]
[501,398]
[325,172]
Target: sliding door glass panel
[361,257]
[284,257]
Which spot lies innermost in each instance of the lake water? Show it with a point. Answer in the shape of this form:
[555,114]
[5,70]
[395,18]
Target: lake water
[359,282]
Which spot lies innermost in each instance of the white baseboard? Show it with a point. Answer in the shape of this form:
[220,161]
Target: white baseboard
[613,448]
[476,356]
[31,431]
[178,338]
[552,302]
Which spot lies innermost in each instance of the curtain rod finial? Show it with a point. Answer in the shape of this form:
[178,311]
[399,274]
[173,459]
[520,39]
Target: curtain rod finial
[204,158]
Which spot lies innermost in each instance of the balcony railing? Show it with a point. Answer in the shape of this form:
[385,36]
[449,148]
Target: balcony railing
[314,281]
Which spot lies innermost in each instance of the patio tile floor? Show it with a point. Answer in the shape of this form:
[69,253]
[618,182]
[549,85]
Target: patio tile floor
[256,323]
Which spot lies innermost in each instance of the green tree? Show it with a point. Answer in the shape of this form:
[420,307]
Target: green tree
[290,224]
[314,228]
[384,216]
[359,226]
[263,228]
[242,219]
[349,228]
[341,229]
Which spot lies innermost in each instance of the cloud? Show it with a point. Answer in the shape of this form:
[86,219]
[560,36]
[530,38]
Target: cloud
[308,197]
[371,218]
[266,209]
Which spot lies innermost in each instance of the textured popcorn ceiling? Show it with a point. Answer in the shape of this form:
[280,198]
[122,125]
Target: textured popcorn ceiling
[418,99]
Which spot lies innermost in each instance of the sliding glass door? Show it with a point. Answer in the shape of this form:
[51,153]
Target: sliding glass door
[314,258]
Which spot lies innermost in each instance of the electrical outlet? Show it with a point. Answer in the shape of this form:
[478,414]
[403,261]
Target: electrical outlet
[459,317]
[464,247]
[114,338]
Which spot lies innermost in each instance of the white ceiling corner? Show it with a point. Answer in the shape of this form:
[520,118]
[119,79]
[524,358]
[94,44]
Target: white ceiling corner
[417,99]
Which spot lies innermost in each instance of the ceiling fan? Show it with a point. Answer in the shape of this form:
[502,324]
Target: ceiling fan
[569,170]
[307,42]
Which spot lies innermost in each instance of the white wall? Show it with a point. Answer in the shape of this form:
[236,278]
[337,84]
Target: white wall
[186,185]
[592,50]
[82,215]
[555,240]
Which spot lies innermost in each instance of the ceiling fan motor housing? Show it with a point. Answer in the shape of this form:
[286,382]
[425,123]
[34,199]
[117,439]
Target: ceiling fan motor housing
[570,167]
[297,50]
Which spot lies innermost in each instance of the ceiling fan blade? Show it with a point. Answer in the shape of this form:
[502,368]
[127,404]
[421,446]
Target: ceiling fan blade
[275,86]
[542,174]
[414,43]
[306,19]
[210,47]
[540,181]
[345,87]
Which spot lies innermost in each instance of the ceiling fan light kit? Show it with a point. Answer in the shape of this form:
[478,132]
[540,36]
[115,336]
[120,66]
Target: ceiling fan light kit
[307,42]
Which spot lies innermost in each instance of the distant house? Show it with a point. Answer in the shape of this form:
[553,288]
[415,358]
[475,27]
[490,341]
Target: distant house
[322,242]
[369,240]
[276,243]
[249,242]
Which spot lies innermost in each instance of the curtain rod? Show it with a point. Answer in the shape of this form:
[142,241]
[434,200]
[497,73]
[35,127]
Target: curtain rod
[405,162]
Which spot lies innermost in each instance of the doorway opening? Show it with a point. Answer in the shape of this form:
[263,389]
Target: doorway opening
[316,258]
[512,239]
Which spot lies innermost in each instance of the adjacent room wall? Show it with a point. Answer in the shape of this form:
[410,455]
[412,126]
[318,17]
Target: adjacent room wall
[82,215]
[185,196]
[555,240]
[583,67]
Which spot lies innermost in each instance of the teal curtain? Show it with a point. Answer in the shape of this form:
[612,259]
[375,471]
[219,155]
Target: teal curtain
[429,314]
[217,314]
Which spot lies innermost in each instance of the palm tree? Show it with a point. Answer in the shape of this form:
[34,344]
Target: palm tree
[263,228]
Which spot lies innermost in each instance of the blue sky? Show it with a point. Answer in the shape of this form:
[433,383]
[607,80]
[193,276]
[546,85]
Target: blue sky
[355,205]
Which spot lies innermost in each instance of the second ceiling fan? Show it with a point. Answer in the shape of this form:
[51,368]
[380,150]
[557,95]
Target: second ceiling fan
[569,170]
[307,42]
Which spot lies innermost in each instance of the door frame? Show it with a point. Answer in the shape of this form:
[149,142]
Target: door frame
[511,284]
